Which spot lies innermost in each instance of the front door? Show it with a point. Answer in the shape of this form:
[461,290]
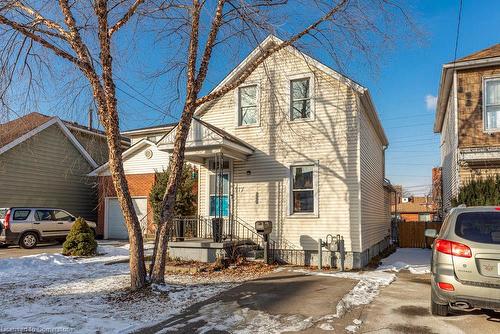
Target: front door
[219,194]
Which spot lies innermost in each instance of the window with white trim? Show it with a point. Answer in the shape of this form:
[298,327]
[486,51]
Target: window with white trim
[247,105]
[300,99]
[492,104]
[303,189]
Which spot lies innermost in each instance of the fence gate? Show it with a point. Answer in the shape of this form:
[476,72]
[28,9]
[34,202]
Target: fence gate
[411,234]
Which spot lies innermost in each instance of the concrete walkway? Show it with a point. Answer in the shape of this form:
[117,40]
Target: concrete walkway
[283,301]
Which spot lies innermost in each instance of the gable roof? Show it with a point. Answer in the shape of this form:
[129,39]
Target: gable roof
[273,40]
[486,57]
[14,129]
[490,52]
[23,128]
[150,129]
[132,149]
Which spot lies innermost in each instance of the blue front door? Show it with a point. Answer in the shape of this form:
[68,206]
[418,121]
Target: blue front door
[219,195]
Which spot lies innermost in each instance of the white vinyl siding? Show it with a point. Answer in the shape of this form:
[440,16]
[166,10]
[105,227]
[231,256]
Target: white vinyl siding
[374,223]
[260,184]
[449,152]
[138,162]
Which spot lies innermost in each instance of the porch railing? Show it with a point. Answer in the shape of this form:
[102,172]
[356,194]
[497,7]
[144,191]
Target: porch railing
[199,227]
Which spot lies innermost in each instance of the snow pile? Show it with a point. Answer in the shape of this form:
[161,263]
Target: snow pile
[84,295]
[416,260]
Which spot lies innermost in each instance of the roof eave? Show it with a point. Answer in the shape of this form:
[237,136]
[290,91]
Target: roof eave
[446,84]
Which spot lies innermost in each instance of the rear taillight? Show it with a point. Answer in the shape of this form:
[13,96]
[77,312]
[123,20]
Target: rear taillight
[6,222]
[446,286]
[453,248]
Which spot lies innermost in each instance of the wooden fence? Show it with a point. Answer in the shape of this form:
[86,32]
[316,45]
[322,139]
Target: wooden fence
[411,234]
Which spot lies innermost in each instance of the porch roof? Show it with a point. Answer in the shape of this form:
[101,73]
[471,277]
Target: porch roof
[204,140]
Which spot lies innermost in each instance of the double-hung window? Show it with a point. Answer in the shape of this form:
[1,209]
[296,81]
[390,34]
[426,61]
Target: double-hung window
[300,99]
[247,105]
[303,189]
[492,104]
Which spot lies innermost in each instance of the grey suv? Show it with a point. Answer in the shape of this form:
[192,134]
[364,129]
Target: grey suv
[27,226]
[465,261]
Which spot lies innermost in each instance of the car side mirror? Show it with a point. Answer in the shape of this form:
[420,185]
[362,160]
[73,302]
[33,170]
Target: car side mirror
[431,233]
[73,219]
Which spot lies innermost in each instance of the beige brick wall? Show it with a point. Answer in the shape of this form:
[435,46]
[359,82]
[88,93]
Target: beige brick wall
[470,108]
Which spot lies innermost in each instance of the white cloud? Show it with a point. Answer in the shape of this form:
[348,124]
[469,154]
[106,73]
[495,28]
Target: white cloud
[430,102]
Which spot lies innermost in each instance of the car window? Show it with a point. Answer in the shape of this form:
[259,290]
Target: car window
[481,227]
[21,214]
[41,215]
[61,215]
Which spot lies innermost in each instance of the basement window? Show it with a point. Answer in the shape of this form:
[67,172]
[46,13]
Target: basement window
[492,104]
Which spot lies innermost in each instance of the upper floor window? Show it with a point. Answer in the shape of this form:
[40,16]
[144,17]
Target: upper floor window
[247,105]
[492,104]
[300,98]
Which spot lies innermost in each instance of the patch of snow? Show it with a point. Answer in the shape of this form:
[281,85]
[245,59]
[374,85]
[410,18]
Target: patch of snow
[326,326]
[50,291]
[351,328]
[416,260]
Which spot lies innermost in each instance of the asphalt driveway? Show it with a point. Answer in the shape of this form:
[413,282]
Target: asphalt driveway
[16,251]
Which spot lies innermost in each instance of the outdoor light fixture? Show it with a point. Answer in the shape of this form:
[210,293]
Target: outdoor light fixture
[249,172]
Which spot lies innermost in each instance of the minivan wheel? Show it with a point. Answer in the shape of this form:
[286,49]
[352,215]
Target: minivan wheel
[28,240]
[439,309]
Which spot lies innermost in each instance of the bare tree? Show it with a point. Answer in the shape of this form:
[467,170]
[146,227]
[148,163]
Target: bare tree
[80,33]
[249,19]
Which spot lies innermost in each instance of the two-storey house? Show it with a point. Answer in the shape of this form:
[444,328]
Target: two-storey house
[297,144]
[468,119]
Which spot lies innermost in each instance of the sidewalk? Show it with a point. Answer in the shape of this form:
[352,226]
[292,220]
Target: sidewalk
[283,301]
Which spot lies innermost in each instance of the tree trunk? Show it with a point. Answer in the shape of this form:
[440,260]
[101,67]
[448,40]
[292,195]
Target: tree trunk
[168,205]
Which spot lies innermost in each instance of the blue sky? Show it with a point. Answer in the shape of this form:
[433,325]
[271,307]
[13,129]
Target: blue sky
[403,88]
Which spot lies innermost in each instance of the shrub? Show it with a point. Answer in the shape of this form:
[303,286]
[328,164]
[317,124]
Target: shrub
[185,204]
[80,240]
[479,192]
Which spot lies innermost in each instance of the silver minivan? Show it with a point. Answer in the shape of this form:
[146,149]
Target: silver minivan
[465,261]
[26,226]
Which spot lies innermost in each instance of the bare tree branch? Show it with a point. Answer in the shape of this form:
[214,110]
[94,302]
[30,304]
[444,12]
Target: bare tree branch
[121,22]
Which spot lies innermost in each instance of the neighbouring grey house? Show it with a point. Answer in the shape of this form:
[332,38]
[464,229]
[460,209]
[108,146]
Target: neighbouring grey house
[44,161]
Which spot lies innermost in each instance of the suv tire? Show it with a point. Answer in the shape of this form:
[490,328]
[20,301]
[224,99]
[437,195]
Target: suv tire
[28,240]
[439,309]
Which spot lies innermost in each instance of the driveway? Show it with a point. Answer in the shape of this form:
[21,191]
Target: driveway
[285,301]
[16,251]
[403,307]
[50,248]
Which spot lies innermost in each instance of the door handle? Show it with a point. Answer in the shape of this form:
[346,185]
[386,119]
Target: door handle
[60,223]
[36,223]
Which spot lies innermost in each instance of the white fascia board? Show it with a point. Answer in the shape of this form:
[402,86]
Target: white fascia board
[125,154]
[65,130]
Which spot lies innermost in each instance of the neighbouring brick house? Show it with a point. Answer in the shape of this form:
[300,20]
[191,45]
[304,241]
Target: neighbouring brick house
[468,119]
[141,161]
[415,208]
